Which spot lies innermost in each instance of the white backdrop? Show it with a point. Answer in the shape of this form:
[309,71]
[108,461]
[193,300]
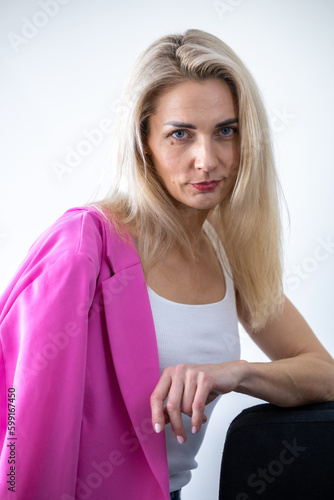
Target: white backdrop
[63,64]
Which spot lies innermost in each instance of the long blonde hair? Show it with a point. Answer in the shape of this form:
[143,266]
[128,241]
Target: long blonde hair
[248,220]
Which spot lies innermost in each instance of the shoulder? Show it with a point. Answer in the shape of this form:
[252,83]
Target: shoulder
[86,233]
[82,245]
[78,232]
[77,239]
[67,254]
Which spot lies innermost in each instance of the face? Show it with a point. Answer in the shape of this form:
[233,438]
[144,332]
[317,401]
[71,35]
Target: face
[193,142]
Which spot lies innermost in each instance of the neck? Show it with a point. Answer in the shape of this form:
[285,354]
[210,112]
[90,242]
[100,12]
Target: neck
[193,222]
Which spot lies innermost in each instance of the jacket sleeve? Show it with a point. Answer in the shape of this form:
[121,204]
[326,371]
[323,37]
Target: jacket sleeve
[43,342]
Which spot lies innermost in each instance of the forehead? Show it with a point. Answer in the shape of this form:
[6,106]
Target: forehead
[192,98]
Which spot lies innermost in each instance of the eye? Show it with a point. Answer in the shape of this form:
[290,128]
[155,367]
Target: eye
[227,131]
[179,134]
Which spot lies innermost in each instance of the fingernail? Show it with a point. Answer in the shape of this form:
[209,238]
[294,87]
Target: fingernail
[157,428]
[180,439]
[194,429]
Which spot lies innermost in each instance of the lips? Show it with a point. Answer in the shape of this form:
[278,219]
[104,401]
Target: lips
[205,186]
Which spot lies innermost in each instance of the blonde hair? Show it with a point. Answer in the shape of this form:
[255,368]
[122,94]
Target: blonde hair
[248,220]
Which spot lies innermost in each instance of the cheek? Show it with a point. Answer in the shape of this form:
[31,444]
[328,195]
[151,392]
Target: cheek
[235,167]
[165,170]
[168,166]
[235,158]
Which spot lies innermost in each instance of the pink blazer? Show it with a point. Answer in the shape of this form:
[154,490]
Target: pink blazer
[78,347]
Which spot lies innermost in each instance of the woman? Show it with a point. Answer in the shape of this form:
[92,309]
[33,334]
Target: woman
[122,321]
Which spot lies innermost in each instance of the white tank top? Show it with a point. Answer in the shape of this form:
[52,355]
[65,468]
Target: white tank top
[205,333]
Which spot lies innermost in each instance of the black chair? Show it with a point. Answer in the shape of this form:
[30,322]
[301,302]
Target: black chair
[274,453]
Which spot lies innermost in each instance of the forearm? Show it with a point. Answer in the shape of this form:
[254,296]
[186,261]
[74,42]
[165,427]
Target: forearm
[307,378]
[302,379]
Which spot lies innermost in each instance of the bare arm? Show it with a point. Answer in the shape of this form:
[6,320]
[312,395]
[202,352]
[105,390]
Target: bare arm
[301,371]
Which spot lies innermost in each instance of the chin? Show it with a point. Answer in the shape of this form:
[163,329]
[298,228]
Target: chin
[199,201]
[202,206]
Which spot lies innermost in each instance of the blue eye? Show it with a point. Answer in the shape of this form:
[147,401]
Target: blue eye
[227,130]
[179,134]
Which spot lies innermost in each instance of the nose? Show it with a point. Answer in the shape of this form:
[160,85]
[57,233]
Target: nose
[205,156]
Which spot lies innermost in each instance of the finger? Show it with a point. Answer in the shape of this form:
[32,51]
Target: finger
[199,402]
[157,401]
[167,420]
[174,405]
[189,391]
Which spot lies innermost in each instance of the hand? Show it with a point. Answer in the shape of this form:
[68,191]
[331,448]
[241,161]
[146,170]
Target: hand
[189,389]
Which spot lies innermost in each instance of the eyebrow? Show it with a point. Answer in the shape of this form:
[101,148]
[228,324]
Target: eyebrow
[230,121]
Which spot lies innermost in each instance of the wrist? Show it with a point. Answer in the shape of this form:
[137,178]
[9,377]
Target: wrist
[245,369]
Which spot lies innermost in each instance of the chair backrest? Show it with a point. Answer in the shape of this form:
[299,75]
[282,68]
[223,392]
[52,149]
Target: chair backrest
[274,453]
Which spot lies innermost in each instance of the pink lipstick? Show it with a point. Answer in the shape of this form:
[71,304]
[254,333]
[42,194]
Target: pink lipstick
[206,186]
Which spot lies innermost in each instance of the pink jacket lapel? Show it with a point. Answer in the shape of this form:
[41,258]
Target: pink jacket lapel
[133,345]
